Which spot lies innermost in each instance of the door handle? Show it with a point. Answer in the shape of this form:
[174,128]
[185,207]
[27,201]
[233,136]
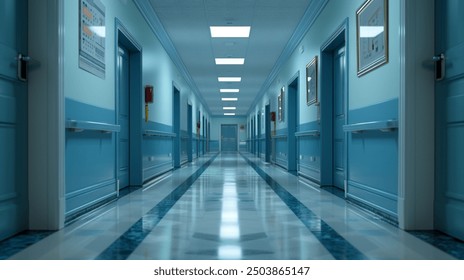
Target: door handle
[440,66]
[22,66]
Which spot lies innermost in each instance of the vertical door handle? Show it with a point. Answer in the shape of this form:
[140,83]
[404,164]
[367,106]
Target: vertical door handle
[440,65]
[22,66]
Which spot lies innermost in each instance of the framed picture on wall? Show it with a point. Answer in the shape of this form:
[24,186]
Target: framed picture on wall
[280,105]
[311,82]
[372,35]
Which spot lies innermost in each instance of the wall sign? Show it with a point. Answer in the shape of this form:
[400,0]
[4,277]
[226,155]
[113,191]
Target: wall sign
[92,33]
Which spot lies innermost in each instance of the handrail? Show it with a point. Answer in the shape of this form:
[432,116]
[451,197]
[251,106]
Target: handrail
[157,133]
[279,136]
[79,126]
[384,126]
[314,133]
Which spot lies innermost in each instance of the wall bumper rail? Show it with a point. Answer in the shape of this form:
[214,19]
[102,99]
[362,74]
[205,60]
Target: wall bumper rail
[80,126]
[384,126]
[309,133]
[156,133]
[279,136]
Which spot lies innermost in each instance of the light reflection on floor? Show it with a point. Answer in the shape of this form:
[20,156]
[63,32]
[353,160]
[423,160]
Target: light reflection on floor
[234,210]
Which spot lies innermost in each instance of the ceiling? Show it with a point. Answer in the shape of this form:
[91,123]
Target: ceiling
[187,24]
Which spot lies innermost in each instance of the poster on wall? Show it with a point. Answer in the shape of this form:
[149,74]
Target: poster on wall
[372,35]
[92,33]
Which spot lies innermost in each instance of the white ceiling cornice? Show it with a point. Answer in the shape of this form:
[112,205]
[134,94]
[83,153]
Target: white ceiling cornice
[157,27]
[311,14]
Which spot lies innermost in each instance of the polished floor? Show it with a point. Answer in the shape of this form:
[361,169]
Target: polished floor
[230,206]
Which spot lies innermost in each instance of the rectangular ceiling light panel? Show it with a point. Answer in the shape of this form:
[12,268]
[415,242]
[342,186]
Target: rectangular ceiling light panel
[229,99]
[229,79]
[229,108]
[229,90]
[229,114]
[230,61]
[230,31]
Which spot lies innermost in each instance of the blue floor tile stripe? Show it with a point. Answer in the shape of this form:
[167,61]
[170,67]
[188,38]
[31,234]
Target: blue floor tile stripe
[125,245]
[17,243]
[338,246]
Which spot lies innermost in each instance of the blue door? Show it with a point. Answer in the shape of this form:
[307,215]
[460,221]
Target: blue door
[189,132]
[339,69]
[124,118]
[13,119]
[253,135]
[176,127]
[229,138]
[449,111]
[293,120]
[258,138]
[268,133]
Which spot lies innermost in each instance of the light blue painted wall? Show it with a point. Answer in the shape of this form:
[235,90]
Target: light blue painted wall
[377,89]
[85,90]
[158,69]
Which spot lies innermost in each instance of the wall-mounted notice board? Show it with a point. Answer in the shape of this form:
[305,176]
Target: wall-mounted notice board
[92,33]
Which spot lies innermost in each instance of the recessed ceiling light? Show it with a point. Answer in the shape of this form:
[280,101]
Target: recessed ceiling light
[229,90]
[229,99]
[229,108]
[229,79]
[230,61]
[229,114]
[230,31]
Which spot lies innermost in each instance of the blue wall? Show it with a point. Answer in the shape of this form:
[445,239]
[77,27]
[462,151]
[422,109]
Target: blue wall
[90,158]
[184,146]
[281,148]
[156,151]
[371,157]
[214,145]
[309,151]
[91,155]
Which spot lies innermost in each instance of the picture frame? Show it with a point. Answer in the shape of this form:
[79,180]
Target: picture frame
[372,35]
[280,105]
[311,82]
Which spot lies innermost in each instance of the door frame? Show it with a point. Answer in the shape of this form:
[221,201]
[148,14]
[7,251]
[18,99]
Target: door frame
[208,136]
[267,118]
[190,132]
[416,116]
[198,136]
[125,39]
[293,95]
[46,180]
[258,128]
[252,134]
[176,145]
[339,37]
